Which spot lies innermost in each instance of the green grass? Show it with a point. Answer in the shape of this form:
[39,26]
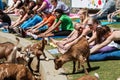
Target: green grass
[115,26]
[107,70]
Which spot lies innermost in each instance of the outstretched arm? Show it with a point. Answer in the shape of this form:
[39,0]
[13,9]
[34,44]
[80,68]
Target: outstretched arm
[92,38]
[22,20]
[42,7]
[55,25]
[99,46]
[85,32]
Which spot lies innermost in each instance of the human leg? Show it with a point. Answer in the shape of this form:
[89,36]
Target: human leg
[54,41]
[62,33]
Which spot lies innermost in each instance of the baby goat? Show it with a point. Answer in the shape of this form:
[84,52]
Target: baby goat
[37,49]
[78,52]
[8,50]
[15,71]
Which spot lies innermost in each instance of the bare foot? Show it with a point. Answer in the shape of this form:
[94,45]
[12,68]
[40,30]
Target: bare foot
[62,51]
[59,44]
[53,41]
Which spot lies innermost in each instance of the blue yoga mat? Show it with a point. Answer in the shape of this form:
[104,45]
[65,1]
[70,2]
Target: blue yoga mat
[107,23]
[114,55]
[53,51]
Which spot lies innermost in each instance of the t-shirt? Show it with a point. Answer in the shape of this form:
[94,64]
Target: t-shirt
[61,5]
[48,6]
[50,20]
[6,19]
[66,22]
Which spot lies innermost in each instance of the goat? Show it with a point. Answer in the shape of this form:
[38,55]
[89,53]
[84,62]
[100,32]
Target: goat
[8,51]
[89,77]
[15,71]
[78,52]
[37,50]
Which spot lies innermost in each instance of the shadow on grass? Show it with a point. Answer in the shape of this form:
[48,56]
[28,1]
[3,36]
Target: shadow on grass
[82,71]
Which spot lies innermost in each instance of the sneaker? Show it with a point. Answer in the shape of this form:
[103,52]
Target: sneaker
[28,33]
[5,31]
[34,36]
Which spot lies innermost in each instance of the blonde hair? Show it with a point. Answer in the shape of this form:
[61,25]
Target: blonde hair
[84,11]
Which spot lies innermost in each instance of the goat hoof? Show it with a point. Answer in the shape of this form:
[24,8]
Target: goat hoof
[73,72]
[36,71]
[46,59]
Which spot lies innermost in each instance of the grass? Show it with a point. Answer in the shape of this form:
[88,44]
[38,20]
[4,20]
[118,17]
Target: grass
[107,70]
[115,26]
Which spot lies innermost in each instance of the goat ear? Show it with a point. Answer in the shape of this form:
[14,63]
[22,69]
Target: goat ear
[60,61]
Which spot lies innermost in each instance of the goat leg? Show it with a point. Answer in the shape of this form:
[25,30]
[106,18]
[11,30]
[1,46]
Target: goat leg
[38,64]
[85,70]
[45,57]
[29,64]
[88,63]
[74,67]
[78,68]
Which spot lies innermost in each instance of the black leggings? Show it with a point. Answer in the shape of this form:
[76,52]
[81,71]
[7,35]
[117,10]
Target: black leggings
[62,33]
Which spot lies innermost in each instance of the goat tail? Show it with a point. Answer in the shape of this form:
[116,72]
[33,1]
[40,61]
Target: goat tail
[118,78]
[96,75]
[18,40]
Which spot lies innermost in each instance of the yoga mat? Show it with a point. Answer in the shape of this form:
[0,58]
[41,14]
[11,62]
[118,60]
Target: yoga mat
[107,23]
[53,51]
[113,55]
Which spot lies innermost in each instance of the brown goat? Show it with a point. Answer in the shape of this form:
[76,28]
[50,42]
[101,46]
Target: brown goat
[8,50]
[78,52]
[88,77]
[36,49]
[15,71]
